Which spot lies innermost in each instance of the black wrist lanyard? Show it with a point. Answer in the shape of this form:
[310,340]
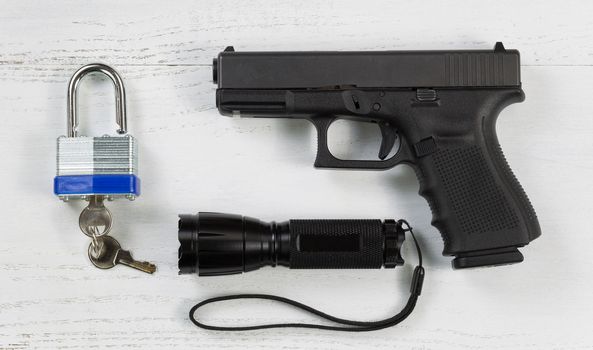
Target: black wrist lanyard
[348,325]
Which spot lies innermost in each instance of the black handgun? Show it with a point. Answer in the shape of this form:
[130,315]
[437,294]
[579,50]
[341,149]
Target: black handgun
[440,106]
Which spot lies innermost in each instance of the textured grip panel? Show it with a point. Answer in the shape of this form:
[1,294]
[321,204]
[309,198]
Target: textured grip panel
[478,203]
[336,244]
[530,216]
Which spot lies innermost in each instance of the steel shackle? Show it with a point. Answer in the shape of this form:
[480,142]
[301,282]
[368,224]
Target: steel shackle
[120,97]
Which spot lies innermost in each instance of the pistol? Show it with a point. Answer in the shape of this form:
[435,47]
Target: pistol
[439,107]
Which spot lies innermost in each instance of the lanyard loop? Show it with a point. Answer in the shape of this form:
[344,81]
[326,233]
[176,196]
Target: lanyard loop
[346,325]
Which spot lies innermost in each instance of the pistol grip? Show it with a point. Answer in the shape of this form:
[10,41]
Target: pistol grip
[477,203]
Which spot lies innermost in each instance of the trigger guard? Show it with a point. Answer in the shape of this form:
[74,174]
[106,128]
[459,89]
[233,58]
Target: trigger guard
[325,159]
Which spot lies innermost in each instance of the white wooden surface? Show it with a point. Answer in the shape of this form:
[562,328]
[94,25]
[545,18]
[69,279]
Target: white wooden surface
[192,159]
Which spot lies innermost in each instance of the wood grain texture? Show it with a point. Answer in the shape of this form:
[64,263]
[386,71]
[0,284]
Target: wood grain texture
[192,159]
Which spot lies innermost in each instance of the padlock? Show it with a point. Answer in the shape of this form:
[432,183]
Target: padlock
[105,165]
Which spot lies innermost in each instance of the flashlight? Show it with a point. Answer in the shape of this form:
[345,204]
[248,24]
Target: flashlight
[213,244]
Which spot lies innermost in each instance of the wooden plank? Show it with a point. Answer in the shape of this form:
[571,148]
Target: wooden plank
[192,159]
[193,32]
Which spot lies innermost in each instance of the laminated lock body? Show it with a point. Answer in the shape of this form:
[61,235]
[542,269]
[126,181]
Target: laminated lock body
[106,165]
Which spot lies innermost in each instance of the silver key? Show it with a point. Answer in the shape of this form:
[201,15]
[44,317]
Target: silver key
[111,254]
[95,219]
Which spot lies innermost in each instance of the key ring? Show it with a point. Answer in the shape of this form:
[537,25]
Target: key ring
[97,244]
[95,215]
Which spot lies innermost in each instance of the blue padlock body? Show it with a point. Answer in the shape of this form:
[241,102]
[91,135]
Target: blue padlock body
[121,184]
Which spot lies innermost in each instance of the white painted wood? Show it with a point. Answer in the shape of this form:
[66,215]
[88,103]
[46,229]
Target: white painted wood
[193,159]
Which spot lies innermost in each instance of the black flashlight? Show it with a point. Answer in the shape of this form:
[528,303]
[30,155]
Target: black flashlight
[214,244]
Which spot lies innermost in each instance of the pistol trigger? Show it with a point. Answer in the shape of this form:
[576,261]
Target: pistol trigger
[389,136]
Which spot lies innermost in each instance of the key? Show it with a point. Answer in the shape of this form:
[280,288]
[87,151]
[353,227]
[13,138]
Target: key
[95,219]
[111,254]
